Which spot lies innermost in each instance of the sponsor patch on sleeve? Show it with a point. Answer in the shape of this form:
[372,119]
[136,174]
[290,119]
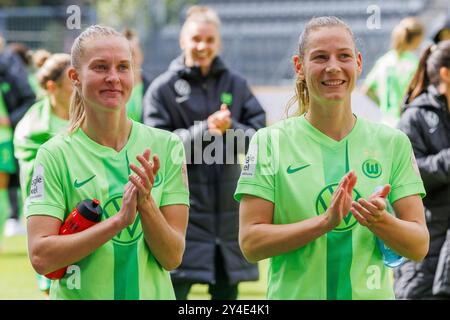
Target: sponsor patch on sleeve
[249,167]
[37,183]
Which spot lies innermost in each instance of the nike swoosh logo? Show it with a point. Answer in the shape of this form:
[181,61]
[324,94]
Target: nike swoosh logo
[293,170]
[77,184]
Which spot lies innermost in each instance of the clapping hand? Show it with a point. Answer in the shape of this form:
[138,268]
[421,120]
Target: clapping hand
[341,200]
[129,205]
[219,121]
[144,177]
[371,211]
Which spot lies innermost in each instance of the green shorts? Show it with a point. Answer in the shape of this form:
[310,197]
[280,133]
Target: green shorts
[7,163]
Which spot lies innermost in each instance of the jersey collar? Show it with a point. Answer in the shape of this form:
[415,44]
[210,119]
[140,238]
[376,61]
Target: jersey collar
[102,150]
[325,140]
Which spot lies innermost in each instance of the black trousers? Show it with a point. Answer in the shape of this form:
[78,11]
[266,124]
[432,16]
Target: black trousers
[14,186]
[430,278]
[221,290]
[14,199]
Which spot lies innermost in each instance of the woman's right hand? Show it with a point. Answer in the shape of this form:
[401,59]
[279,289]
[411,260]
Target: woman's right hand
[341,201]
[128,211]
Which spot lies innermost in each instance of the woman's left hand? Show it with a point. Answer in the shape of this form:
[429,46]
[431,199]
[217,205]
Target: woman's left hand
[144,177]
[371,211]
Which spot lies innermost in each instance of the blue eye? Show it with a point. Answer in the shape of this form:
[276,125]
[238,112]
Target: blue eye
[101,67]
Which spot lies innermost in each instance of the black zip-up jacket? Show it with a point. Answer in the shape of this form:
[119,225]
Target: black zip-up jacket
[426,121]
[181,98]
[16,90]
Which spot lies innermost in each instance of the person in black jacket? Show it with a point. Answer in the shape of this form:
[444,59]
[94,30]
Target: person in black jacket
[207,104]
[426,121]
[16,90]
[16,97]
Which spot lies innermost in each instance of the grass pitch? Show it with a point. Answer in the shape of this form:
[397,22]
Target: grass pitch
[18,279]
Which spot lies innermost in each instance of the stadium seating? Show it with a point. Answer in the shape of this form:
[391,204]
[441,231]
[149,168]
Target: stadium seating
[259,37]
[42,26]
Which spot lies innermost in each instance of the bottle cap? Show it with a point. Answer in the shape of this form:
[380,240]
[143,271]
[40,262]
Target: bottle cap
[90,210]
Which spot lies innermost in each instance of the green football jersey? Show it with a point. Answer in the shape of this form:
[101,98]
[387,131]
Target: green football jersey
[134,105]
[71,168]
[297,167]
[389,79]
[37,126]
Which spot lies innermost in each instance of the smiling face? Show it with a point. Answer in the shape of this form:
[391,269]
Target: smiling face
[105,78]
[200,42]
[330,65]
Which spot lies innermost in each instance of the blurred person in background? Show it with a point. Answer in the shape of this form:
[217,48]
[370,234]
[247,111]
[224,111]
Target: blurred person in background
[7,166]
[38,57]
[141,82]
[22,51]
[17,92]
[200,94]
[426,121]
[46,118]
[443,31]
[14,225]
[17,97]
[386,83]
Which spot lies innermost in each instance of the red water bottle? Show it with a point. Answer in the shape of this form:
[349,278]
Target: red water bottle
[87,213]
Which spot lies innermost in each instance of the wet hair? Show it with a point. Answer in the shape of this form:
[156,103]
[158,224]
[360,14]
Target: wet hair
[405,33]
[200,14]
[77,107]
[301,88]
[432,60]
[53,69]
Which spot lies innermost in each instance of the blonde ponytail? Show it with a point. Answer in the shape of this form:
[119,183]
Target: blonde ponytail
[301,97]
[76,111]
[405,33]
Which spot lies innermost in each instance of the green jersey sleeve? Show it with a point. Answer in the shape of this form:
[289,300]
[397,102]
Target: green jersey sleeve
[260,166]
[405,179]
[176,182]
[134,105]
[46,191]
[371,80]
